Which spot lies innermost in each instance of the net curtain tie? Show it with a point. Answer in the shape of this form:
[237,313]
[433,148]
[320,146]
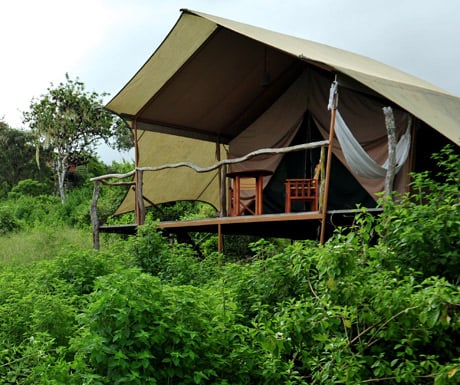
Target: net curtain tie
[355,155]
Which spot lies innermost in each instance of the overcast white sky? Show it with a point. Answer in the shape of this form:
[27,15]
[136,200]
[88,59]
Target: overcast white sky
[104,42]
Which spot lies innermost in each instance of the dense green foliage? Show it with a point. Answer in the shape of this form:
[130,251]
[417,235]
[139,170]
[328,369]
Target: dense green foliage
[378,303]
[423,229]
[17,159]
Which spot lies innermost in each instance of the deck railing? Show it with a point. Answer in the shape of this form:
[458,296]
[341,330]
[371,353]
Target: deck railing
[138,172]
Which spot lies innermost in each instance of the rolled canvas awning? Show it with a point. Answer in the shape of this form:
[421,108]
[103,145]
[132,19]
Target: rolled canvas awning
[204,82]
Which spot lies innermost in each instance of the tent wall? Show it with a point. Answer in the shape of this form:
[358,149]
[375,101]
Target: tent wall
[364,115]
[175,184]
[279,124]
[275,128]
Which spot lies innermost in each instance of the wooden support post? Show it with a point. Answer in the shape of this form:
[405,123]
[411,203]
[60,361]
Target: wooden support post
[136,173]
[223,191]
[391,128]
[259,194]
[94,218]
[222,184]
[140,198]
[236,195]
[220,239]
[328,168]
[322,160]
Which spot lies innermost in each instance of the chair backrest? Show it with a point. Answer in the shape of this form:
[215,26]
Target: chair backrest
[304,190]
[301,188]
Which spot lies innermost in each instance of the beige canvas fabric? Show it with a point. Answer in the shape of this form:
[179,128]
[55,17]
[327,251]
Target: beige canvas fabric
[183,40]
[274,129]
[195,31]
[173,184]
[204,84]
[366,120]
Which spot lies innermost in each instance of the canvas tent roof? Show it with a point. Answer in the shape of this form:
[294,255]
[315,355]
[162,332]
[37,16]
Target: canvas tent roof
[204,83]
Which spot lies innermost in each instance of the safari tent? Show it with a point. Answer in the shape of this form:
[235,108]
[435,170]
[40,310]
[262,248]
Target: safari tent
[217,90]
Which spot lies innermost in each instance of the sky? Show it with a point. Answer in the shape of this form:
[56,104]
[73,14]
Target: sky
[105,42]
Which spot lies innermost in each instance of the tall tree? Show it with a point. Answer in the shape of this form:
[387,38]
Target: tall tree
[70,122]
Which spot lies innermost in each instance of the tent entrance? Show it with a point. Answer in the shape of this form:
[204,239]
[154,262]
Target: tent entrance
[345,192]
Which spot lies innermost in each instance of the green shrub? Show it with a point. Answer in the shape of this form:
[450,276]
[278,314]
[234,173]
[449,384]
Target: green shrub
[8,222]
[35,361]
[149,249]
[81,268]
[138,330]
[29,187]
[28,308]
[38,211]
[423,229]
[76,209]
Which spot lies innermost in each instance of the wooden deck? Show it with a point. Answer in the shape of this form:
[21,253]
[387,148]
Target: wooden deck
[296,226]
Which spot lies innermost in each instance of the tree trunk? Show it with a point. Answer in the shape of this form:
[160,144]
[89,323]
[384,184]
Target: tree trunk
[61,171]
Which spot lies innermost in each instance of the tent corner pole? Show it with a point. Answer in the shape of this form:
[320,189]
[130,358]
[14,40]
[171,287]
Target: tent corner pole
[328,168]
[221,175]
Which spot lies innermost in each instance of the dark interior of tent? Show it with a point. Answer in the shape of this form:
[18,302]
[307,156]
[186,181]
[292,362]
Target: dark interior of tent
[429,142]
[345,192]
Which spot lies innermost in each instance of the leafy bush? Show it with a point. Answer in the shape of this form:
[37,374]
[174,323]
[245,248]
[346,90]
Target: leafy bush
[76,209]
[138,330]
[149,249]
[8,222]
[38,305]
[35,361]
[28,308]
[29,187]
[81,268]
[423,230]
[37,211]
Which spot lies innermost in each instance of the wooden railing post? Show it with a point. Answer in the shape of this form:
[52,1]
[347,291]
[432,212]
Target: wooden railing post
[140,197]
[223,190]
[322,177]
[391,129]
[333,108]
[94,218]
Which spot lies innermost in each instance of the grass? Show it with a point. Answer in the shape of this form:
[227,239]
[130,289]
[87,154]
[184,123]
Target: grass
[42,243]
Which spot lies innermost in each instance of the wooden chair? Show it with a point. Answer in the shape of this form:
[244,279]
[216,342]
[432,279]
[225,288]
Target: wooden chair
[302,190]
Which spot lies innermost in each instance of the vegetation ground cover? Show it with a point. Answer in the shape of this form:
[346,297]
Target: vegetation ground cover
[378,303]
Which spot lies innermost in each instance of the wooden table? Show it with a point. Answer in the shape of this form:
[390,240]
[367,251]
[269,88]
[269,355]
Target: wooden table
[258,175]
